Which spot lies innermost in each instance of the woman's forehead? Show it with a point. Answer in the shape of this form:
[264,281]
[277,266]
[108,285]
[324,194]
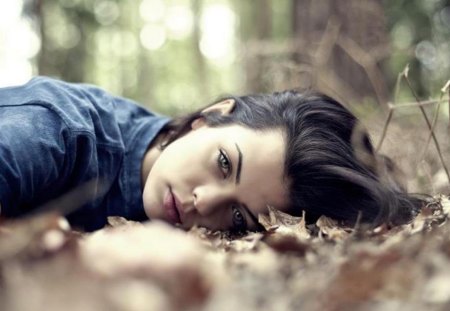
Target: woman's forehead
[262,167]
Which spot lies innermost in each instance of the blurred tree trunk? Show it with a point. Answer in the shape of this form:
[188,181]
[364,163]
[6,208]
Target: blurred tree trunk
[73,67]
[145,82]
[344,42]
[263,21]
[255,27]
[202,72]
[42,56]
[68,64]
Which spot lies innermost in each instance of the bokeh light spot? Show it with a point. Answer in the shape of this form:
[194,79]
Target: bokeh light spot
[218,33]
[179,22]
[106,12]
[152,10]
[153,36]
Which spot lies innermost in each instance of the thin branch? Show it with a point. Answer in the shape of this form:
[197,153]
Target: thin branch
[438,148]
[397,84]
[445,89]
[422,103]
[438,108]
[386,124]
[427,144]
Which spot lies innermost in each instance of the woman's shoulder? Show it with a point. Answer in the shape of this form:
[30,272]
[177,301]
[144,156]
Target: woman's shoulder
[81,107]
[53,94]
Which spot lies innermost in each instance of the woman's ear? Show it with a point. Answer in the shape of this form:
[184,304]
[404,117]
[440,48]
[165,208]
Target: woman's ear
[223,107]
[198,123]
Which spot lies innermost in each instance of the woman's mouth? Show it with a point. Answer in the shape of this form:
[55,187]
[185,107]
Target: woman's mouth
[170,208]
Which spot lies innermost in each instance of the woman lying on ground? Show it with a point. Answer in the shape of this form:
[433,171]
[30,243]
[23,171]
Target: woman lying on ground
[218,167]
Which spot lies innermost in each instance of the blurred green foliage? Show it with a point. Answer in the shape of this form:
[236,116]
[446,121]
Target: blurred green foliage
[420,36]
[178,54]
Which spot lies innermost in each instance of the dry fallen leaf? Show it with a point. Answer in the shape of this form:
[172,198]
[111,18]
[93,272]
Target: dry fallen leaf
[152,266]
[331,230]
[283,223]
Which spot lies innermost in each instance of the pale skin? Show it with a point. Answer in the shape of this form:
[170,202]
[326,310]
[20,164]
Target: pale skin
[223,177]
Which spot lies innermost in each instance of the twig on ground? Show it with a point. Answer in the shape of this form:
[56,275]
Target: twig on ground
[433,126]
[436,114]
[438,148]
[422,103]
[446,89]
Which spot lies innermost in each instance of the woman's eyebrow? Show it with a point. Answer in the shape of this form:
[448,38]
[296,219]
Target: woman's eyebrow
[239,164]
[238,178]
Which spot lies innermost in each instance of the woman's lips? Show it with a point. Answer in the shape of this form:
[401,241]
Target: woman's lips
[170,207]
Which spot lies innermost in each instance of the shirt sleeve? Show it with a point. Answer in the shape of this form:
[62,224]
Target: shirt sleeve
[34,157]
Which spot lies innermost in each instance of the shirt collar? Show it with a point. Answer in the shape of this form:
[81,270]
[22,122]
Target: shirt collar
[135,150]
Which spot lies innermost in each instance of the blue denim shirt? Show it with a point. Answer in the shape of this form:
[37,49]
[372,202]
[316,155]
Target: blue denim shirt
[55,136]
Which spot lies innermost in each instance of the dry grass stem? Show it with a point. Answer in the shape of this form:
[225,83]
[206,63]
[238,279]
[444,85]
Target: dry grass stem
[433,126]
[422,103]
[446,89]
[430,127]
[436,115]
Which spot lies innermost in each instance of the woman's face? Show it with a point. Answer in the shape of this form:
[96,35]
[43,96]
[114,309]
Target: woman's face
[217,177]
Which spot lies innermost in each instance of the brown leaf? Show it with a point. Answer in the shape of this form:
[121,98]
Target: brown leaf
[330,228]
[365,276]
[248,242]
[287,244]
[283,223]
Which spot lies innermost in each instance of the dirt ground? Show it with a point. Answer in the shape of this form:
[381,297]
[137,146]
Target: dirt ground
[44,265]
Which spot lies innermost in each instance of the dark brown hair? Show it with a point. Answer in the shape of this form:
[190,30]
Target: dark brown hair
[330,173]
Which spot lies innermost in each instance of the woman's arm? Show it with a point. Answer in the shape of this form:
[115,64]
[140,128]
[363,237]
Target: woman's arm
[34,156]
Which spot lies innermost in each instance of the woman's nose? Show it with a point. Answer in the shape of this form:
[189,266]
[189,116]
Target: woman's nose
[207,199]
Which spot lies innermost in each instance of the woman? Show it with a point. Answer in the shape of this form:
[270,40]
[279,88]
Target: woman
[218,167]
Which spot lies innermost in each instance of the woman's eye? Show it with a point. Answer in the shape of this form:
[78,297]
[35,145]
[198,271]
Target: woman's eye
[224,163]
[238,219]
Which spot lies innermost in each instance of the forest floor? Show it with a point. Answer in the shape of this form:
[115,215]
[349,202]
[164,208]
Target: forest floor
[44,265]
